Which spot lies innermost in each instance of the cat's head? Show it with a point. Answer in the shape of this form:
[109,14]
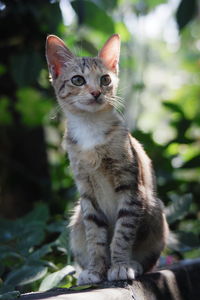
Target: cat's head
[84,84]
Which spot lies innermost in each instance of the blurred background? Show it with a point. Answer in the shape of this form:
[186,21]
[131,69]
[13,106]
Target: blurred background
[160,85]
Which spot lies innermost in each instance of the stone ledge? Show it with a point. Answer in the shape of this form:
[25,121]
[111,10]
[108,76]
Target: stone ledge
[178,282]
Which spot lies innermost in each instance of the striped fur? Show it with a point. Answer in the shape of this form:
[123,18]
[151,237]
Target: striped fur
[118,228]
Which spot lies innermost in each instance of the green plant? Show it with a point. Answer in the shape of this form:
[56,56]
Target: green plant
[34,252]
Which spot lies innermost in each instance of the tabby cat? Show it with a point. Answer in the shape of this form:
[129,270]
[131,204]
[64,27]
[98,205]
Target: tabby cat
[118,228]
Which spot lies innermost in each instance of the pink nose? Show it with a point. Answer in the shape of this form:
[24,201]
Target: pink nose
[96,94]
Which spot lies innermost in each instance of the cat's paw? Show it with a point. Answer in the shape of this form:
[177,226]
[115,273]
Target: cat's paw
[87,277]
[124,271]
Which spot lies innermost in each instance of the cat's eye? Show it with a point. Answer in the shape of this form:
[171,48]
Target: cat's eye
[105,80]
[78,80]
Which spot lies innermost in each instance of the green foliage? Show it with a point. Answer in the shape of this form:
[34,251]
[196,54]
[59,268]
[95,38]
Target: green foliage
[9,295]
[178,209]
[25,67]
[26,257]
[92,16]
[54,279]
[2,69]
[5,114]
[186,12]
[83,287]
[33,106]
[143,7]
[26,274]
[154,3]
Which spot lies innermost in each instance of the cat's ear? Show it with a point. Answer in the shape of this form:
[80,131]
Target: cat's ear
[57,55]
[110,52]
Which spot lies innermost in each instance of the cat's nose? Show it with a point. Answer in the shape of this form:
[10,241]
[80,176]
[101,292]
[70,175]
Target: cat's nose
[96,94]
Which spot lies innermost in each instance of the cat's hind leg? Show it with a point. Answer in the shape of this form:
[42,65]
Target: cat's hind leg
[150,244]
[150,241]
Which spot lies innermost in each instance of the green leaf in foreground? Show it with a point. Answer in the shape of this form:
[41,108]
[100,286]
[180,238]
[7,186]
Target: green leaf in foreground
[83,287]
[26,274]
[10,295]
[53,279]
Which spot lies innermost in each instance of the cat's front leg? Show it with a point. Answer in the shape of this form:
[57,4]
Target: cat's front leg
[128,219]
[96,227]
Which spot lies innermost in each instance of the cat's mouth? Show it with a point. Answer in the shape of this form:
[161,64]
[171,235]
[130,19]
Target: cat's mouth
[94,101]
[91,104]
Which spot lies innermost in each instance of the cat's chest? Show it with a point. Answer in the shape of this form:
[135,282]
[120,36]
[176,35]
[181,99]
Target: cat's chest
[88,135]
[105,195]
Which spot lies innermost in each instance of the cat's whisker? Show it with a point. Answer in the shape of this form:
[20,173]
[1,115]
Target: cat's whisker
[117,97]
[117,101]
[54,112]
[125,87]
[117,106]
[121,103]
[112,102]
[76,50]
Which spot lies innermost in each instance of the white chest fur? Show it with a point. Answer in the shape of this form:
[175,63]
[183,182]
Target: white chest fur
[89,130]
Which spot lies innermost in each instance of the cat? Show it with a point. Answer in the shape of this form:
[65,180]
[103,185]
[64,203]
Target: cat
[118,228]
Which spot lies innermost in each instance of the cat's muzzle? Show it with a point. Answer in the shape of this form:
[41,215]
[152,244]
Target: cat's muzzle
[94,100]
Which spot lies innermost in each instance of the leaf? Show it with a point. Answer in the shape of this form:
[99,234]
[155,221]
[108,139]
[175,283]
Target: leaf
[174,107]
[153,3]
[40,213]
[143,7]
[57,226]
[189,238]
[83,287]
[32,106]
[46,11]
[186,12]
[6,230]
[122,30]
[10,295]
[50,265]
[179,208]
[111,4]
[39,253]
[2,69]
[193,163]
[24,233]
[26,274]
[25,67]
[2,269]
[62,242]
[5,114]
[6,251]
[55,278]
[33,235]
[93,16]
